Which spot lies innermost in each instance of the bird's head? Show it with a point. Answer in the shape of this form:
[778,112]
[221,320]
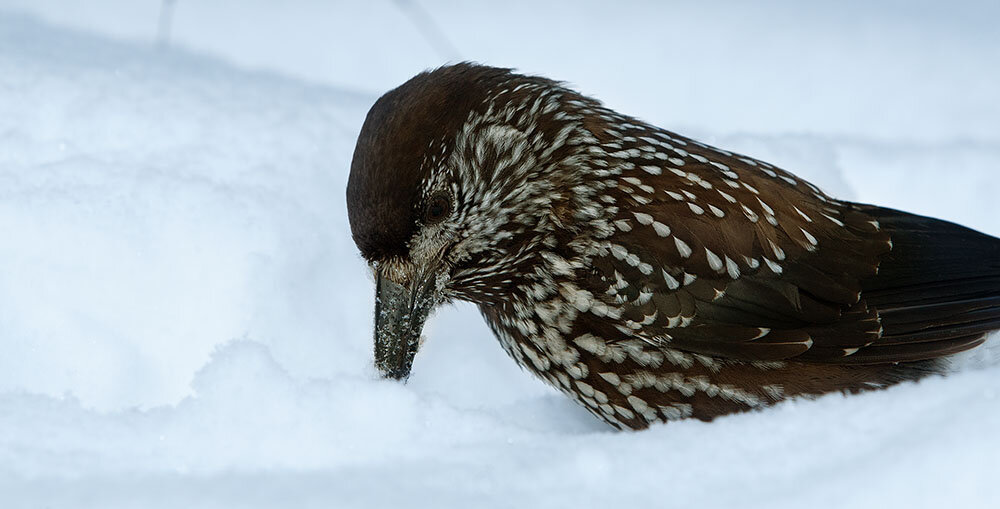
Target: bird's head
[456,175]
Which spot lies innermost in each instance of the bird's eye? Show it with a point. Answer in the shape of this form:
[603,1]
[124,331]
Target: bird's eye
[438,208]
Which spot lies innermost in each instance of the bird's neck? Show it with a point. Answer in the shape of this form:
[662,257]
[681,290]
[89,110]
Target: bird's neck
[548,237]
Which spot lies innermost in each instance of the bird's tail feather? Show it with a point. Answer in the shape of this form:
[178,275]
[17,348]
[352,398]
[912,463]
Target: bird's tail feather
[937,291]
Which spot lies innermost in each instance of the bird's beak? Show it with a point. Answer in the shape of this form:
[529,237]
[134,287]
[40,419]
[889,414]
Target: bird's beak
[400,313]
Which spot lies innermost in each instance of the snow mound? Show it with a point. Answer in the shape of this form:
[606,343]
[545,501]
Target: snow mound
[185,322]
[156,204]
[254,436]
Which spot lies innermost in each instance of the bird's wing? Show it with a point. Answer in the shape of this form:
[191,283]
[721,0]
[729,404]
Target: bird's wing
[728,256]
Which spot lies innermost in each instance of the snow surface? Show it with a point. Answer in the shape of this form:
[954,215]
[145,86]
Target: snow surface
[184,320]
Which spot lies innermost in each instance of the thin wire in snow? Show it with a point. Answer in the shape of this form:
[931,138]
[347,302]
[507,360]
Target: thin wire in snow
[165,22]
[433,33]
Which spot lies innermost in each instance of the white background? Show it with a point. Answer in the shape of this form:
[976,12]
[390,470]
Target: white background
[184,320]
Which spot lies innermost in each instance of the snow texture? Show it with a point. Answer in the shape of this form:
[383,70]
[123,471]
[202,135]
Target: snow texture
[185,321]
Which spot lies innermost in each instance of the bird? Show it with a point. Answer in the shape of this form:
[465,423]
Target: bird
[646,275]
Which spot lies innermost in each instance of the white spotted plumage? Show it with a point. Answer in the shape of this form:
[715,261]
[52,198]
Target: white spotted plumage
[620,262]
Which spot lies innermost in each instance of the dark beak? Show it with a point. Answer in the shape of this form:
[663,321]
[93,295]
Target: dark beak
[400,313]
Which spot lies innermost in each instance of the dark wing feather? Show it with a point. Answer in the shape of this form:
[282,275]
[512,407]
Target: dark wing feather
[728,256]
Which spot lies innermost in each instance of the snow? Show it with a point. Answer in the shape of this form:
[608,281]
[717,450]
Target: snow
[185,322]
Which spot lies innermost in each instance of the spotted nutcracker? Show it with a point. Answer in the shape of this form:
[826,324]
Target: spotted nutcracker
[646,275]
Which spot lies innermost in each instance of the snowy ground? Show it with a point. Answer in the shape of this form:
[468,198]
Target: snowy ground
[184,321]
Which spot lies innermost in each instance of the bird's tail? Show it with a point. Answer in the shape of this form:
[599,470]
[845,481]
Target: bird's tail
[937,291]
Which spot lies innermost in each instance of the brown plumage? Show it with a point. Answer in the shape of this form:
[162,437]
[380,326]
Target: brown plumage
[647,275]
